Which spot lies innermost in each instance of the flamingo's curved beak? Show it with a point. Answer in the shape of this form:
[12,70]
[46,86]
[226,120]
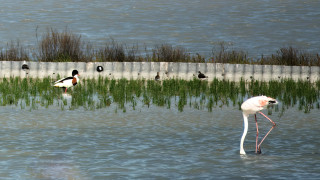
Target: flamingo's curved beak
[273,102]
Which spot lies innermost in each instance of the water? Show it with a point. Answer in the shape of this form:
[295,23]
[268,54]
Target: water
[155,143]
[259,27]
[160,143]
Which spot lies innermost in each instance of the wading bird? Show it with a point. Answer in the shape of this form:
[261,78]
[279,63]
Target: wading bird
[252,106]
[69,81]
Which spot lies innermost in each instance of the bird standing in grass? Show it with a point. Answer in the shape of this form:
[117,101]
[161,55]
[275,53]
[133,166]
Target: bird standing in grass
[202,76]
[69,81]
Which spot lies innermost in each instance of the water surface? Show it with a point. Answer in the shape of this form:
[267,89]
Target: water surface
[259,27]
[154,143]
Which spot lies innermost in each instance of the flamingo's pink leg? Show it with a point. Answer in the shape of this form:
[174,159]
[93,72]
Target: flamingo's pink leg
[255,116]
[274,124]
[65,90]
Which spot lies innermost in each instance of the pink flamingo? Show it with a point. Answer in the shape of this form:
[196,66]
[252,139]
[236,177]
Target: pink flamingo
[252,106]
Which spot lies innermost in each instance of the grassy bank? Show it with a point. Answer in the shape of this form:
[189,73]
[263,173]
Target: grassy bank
[126,94]
[65,46]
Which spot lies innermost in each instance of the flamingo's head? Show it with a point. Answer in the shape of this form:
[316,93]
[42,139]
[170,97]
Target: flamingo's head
[272,101]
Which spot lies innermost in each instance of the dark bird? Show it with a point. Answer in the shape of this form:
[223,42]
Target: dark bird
[25,67]
[75,72]
[99,68]
[201,75]
[157,78]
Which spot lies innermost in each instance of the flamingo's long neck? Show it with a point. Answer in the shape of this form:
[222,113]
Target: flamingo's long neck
[245,130]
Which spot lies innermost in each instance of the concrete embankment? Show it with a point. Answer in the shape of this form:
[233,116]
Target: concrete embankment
[148,70]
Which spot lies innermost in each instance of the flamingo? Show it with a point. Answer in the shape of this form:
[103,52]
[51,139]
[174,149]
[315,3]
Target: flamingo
[68,82]
[252,106]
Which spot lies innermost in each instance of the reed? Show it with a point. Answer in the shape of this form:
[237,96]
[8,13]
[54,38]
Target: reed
[168,53]
[126,94]
[291,56]
[115,51]
[226,55]
[66,46]
[14,52]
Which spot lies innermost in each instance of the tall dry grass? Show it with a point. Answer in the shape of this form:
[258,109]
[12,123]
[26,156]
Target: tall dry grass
[226,55]
[114,51]
[65,46]
[14,52]
[291,57]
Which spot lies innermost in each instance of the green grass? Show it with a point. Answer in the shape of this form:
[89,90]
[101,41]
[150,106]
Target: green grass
[125,94]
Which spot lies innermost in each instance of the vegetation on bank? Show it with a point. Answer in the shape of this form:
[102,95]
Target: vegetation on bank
[65,46]
[126,94]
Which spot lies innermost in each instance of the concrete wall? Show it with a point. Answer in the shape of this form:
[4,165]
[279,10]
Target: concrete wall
[148,70]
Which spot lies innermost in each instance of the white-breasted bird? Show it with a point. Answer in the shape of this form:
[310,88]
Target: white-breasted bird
[69,81]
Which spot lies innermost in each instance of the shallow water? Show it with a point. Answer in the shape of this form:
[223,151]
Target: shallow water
[154,143]
[259,27]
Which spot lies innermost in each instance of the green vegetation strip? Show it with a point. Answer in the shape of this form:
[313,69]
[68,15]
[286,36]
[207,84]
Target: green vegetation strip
[126,94]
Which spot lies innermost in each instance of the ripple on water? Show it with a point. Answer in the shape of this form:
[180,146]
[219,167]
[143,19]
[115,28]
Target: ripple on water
[152,143]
